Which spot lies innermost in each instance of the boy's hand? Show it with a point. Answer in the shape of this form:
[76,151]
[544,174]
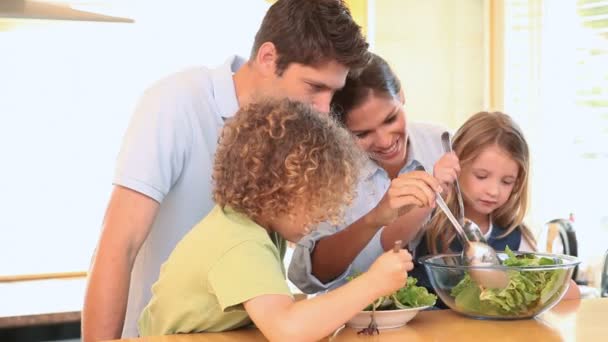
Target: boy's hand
[389,272]
[446,170]
[412,189]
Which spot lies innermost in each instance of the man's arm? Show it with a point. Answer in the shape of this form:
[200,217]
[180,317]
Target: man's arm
[127,222]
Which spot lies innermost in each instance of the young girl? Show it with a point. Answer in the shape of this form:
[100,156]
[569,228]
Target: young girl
[494,160]
[280,168]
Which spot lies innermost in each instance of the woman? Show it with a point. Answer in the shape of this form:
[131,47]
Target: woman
[393,202]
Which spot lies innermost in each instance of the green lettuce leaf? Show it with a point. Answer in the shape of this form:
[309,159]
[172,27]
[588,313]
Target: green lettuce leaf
[409,296]
[526,289]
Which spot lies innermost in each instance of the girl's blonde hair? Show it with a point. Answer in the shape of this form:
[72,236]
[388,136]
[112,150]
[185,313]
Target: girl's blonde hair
[276,155]
[482,130]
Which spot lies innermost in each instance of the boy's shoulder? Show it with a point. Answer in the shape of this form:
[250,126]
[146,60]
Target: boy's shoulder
[217,236]
[225,228]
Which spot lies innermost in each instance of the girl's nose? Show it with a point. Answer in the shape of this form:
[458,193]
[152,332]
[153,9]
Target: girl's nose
[493,189]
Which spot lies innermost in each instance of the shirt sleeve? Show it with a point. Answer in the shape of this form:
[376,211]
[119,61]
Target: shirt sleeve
[369,254]
[249,270]
[156,142]
[300,268]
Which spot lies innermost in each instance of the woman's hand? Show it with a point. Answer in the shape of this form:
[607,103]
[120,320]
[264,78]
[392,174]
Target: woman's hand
[446,170]
[408,190]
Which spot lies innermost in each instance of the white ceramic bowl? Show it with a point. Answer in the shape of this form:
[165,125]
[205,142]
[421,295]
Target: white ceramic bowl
[386,319]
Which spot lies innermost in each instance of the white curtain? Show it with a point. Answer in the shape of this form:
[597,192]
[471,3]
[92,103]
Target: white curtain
[556,87]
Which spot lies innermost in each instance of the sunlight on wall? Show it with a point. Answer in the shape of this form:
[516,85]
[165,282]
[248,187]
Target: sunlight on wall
[555,87]
[67,90]
[437,49]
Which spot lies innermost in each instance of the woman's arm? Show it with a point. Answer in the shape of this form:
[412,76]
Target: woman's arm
[410,190]
[405,227]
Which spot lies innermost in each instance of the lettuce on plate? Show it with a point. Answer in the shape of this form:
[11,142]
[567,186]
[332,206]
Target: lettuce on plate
[407,297]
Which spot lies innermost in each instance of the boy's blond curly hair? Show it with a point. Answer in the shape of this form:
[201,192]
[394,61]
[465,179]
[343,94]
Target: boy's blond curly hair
[278,156]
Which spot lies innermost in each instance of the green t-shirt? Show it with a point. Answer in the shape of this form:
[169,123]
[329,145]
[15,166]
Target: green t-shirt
[224,261]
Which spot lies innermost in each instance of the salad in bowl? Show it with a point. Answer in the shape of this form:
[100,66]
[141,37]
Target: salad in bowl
[394,310]
[536,282]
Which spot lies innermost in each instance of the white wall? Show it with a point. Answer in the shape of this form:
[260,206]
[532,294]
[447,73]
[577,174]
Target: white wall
[67,90]
[437,49]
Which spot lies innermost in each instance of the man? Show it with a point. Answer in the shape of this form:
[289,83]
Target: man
[162,187]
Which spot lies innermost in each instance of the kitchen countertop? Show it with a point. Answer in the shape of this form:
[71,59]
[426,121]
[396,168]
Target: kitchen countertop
[570,320]
[41,302]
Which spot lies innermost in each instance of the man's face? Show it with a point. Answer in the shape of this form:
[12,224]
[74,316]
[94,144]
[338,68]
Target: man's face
[314,85]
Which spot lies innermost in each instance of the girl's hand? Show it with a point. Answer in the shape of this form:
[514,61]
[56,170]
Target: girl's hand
[408,190]
[446,170]
[389,271]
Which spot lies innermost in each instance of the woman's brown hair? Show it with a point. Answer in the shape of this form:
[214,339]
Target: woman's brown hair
[482,130]
[312,32]
[376,78]
[276,155]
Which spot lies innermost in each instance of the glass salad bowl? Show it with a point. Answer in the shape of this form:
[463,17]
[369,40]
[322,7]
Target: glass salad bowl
[536,282]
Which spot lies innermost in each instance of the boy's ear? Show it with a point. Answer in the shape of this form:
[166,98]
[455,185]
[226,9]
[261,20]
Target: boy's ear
[402,96]
[266,58]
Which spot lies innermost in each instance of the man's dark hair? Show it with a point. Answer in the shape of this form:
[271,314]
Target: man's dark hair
[312,32]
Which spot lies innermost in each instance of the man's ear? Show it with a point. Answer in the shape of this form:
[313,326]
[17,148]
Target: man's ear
[266,58]
[402,96]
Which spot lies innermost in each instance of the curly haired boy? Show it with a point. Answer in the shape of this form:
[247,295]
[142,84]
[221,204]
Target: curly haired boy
[280,168]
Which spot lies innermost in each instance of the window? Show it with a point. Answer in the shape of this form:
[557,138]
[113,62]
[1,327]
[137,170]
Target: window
[67,90]
[556,86]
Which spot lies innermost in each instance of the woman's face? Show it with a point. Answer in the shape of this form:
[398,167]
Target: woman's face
[379,125]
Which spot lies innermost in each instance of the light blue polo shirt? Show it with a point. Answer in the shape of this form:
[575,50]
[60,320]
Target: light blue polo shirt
[167,155]
[424,148]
